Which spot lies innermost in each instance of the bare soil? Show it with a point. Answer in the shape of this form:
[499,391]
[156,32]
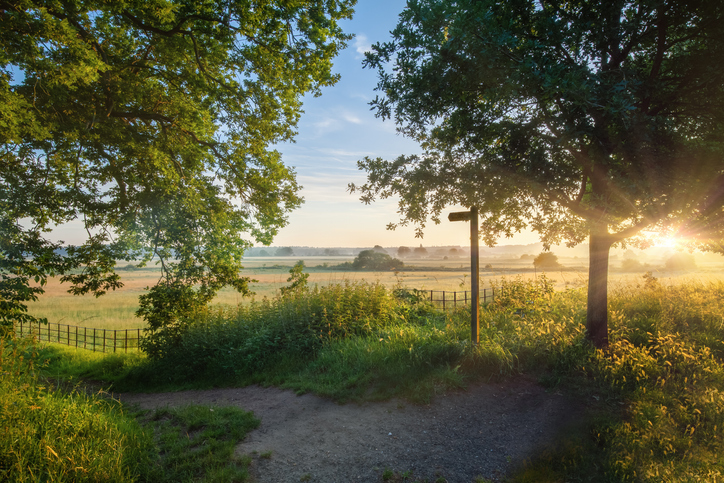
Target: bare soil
[486,430]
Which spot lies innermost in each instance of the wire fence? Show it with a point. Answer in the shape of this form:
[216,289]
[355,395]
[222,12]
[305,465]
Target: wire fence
[449,300]
[112,340]
[100,340]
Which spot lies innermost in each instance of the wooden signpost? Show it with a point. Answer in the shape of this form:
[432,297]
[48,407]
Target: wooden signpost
[472,217]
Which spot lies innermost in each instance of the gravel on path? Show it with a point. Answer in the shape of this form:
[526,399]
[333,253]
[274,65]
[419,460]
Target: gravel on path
[486,430]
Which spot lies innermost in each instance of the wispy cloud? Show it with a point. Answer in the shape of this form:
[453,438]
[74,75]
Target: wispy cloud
[349,117]
[362,45]
[333,120]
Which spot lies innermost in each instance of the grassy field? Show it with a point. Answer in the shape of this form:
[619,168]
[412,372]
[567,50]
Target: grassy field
[116,310]
[659,387]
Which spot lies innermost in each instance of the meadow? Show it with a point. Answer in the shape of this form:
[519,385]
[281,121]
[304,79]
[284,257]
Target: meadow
[655,397]
[116,310]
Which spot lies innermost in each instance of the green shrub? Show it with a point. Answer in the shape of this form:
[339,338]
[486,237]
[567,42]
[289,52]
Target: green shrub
[239,343]
[663,368]
[659,386]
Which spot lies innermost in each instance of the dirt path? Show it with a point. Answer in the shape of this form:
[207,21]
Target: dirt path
[482,431]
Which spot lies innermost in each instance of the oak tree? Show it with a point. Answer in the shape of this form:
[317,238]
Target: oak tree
[152,124]
[583,120]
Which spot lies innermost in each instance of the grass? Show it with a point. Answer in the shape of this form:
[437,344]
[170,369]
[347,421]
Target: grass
[116,310]
[49,435]
[659,386]
[53,431]
[197,441]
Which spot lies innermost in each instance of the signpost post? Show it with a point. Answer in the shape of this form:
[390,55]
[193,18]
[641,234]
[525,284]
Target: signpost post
[472,217]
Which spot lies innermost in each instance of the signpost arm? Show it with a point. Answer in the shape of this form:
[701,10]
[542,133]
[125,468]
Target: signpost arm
[474,277]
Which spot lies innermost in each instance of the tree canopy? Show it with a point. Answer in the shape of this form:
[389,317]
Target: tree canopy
[546,260]
[581,120]
[373,260]
[151,124]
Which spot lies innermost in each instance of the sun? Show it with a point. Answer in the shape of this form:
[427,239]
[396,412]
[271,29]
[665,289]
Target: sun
[666,242]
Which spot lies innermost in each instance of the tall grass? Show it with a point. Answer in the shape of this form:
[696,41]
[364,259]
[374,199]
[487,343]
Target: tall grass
[248,343]
[656,395]
[661,383]
[49,436]
[48,433]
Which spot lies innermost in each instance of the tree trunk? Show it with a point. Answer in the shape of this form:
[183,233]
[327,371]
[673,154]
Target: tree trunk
[597,313]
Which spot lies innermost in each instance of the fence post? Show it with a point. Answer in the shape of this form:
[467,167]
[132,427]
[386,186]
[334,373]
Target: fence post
[104,341]
[93,345]
[443,300]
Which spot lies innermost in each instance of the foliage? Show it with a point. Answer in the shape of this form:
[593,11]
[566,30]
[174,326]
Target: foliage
[240,343]
[656,395]
[50,436]
[546,260]
[168,308]
[284,252]
[298,279]
[577,119]
[633,265]
[151,126]
[374,260]
[403,252]
[680,261]
[200,440]
[420,251]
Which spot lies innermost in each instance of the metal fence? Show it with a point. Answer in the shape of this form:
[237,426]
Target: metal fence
[450,300]
[101,340]
[112,340]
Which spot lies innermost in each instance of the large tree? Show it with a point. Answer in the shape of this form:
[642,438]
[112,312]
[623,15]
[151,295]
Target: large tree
[150,123]
[584,120]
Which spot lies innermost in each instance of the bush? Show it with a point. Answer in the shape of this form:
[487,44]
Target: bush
[681,261]
[236,344]
[546,260]
[373,260]
[632,265]
[299,280]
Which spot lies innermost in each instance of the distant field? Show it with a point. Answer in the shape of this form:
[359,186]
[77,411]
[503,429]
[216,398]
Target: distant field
[115,310]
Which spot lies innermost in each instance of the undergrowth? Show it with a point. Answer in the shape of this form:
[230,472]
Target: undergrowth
[49,435]
[53,432]
[659,385]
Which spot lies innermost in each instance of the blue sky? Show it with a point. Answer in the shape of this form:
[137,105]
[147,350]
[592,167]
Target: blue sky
[336,130]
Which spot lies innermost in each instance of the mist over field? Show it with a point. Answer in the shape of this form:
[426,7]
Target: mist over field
[430,268]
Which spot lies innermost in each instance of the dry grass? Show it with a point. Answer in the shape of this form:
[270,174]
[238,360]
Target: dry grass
[116,310]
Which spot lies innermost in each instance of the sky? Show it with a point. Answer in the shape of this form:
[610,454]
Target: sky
[335,131]
[338,129]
